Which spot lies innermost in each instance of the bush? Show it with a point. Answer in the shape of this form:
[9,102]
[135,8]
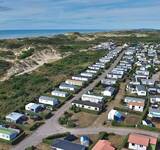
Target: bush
[71,124]
[49,139]
[121,124]
[27,53]
[148,128]
[75,109]
[31,148]
[103,135]
[63,120]
[36,125]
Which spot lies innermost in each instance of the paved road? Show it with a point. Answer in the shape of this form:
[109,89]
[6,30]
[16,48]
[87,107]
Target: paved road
[52,127]
[116,130]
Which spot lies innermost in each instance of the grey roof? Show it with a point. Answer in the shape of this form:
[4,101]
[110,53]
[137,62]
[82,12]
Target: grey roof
[154,110]
[66,145]
[88,103]
[110,88]
[67,85]
[136,99]
[48,98]
[141,88]
[14,116]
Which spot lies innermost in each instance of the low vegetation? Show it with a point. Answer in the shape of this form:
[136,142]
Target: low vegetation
[4,66]
[20,90]
[27,53]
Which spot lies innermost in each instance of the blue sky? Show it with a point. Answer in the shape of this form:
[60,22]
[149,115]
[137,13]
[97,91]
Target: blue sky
[79,14]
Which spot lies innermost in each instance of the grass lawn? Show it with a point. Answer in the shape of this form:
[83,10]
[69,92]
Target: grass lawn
[43,146]
[131,119]
[84,119]
[4,146]
[116,140]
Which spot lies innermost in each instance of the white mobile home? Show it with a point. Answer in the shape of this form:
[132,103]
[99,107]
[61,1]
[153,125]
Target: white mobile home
[15,117]
[141,90]
[33,107]
[80,78]
[8,133]
[114,76]
[59,93]
[48,100]
[109,81]
[74,82]
[88,105]
[148,82]
[92,98]
[91,71]
[109,91]
[155,98]
[64,86]
[85,74]
[94,68]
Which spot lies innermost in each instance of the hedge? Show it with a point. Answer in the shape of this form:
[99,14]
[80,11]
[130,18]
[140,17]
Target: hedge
[90,111]
[114,123]
[148,128]
[35,126]
[49,139]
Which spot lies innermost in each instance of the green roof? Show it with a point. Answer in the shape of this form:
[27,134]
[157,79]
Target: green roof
[7,131]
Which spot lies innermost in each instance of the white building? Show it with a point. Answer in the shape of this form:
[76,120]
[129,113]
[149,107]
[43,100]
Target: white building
[141,90]
[74,82]
[33,107]
[141,142]
[109,81]
[64,86]
[8,133]
[91,71]
[109,91]
[86,74]
[149,82]
[48,100]
[92,98]
[155,98]
[134,103]
[94,68]
[80,78]
[59,93]
[88,105]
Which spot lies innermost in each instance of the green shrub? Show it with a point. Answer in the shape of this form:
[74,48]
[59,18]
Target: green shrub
[49,139]
[63,120]
[27,53]
[71,124]
[121,124]
[35,126]
[103,135]
[31,148]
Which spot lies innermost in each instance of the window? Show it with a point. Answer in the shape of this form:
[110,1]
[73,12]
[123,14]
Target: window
[133,144]
[141,145]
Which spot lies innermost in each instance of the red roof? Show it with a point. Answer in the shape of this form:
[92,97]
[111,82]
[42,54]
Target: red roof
[136,103]
[103,145]
[141,139]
